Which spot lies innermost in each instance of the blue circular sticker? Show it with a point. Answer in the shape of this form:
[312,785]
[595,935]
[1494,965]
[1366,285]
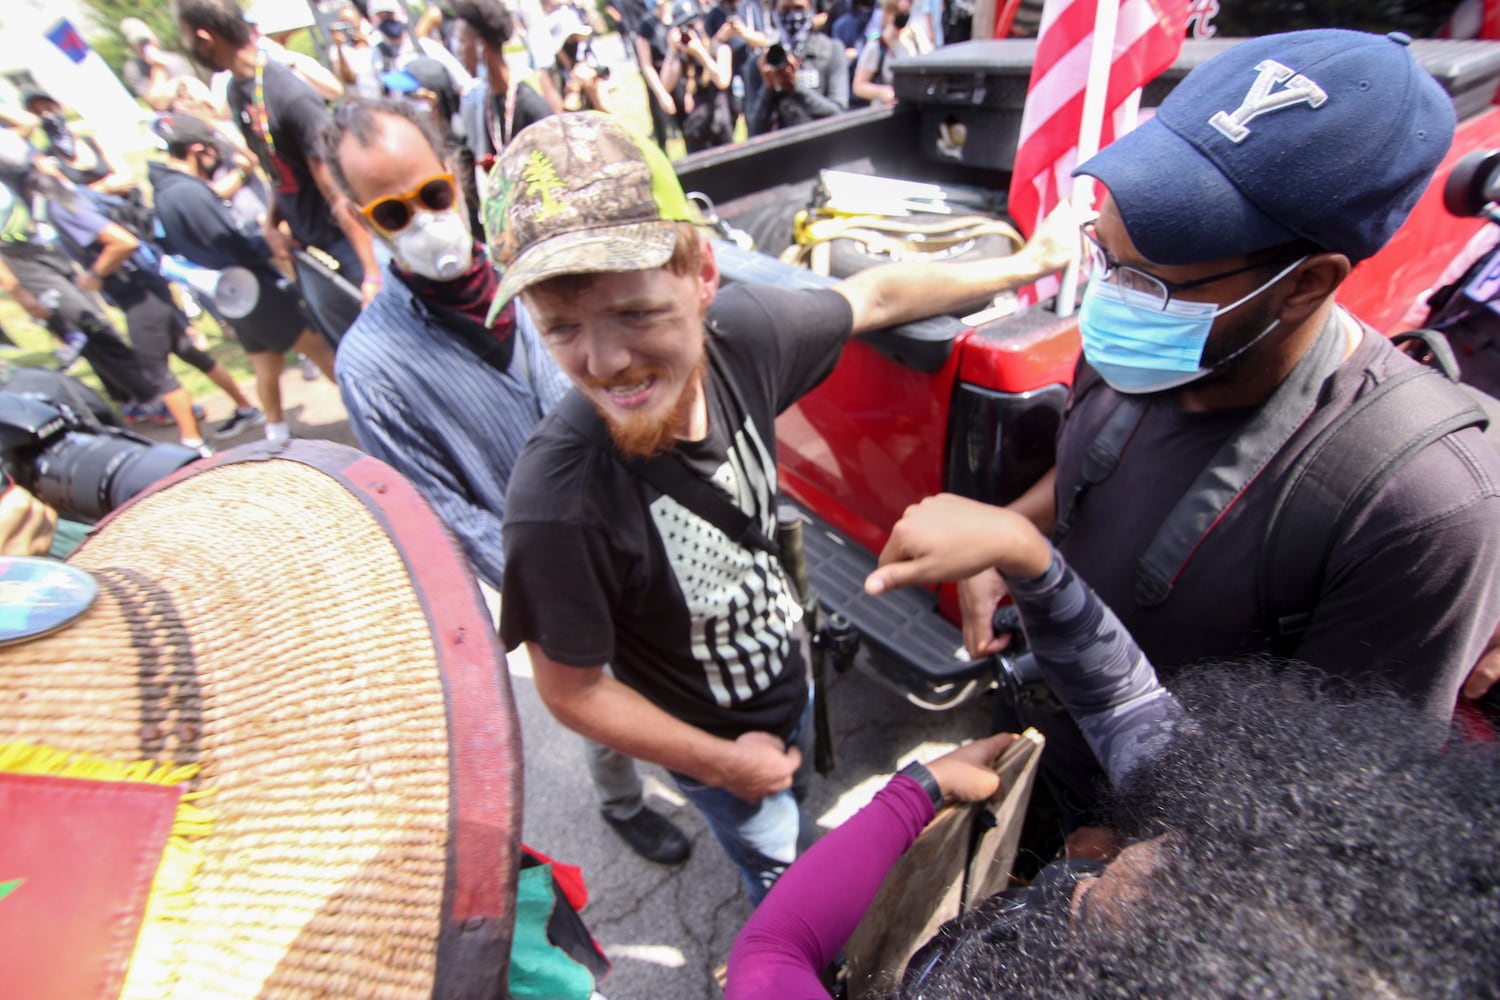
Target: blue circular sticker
[38,596]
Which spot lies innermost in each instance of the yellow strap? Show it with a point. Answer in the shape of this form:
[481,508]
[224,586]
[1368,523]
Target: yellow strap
[889,234]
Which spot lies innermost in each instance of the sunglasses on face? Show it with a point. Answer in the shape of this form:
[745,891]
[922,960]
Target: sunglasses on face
[394,213]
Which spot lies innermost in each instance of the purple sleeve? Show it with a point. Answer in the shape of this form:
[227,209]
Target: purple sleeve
[813,908]
[82,224]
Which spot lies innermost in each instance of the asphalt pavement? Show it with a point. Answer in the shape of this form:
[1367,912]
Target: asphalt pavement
[664,928]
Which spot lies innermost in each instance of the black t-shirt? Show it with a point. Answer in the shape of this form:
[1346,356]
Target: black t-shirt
[655,33]
[631,12]
[601,568]
[530,107]
[1410,594]
[296,115]
[196,224]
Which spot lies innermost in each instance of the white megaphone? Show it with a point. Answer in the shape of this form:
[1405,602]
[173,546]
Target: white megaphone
[236,292]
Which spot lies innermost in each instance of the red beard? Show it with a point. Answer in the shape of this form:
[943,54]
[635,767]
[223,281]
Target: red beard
[642,436]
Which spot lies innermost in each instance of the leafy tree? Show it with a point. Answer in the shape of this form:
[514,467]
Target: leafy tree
[104,34]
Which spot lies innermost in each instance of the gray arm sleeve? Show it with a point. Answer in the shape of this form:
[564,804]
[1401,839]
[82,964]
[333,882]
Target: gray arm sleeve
[1095,668]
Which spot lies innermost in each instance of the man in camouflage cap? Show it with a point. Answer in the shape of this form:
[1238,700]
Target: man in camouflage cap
[702,631]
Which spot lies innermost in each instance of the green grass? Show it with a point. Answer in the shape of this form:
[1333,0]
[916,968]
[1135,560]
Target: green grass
[36,344]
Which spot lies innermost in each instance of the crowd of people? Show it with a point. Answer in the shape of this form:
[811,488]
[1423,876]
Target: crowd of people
[527,320]
[708,74]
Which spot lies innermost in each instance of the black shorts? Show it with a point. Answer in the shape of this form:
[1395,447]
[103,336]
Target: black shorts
[157,331]
[275,323]
[40,269]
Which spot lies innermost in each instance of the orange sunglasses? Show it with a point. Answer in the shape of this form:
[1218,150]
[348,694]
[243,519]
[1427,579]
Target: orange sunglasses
[394,213]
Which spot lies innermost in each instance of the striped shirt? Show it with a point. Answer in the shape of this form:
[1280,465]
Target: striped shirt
[421,400]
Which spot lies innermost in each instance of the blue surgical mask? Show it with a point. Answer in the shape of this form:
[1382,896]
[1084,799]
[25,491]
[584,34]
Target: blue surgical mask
[1139,348]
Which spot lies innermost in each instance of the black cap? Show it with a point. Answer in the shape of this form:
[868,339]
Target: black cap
[34,95]
[184,130]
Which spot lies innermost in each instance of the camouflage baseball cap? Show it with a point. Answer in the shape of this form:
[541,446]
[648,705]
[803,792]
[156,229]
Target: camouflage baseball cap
[579,193]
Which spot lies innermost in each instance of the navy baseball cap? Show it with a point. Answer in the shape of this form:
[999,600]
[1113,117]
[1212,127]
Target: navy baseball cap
[1325,135]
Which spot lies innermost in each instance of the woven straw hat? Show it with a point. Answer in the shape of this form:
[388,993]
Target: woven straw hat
[296,621]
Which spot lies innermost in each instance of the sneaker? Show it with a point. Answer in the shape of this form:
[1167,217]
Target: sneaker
[68,355]
[310,371]
[201,447]
[240,420]
[151,413]
[653,837]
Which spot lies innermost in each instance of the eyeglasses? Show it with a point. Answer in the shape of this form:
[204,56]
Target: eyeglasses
[394,213]
[1160,290]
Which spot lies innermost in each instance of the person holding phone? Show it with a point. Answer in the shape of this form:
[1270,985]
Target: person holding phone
[705,65]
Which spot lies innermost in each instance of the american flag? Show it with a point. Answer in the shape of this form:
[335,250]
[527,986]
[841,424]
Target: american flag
[1148,37]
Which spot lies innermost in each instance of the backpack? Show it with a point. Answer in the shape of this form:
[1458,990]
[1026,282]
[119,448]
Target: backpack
[1344,469]
[136,218]
[1332,481]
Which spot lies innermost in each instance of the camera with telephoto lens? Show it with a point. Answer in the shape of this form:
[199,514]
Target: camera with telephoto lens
[74,464]
[776,56]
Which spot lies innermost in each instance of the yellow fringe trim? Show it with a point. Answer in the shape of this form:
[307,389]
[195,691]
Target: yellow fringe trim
[159,948]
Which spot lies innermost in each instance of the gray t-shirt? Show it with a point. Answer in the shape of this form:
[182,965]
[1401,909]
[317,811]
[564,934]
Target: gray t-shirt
[879,59]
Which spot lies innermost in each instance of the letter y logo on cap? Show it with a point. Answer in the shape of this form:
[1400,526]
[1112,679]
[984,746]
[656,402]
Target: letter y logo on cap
[1260,99]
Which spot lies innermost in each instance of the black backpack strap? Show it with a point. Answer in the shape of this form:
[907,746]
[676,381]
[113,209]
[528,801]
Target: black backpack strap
[1100,459]
[1337,476]
[1236,465]
[1439,352]
[670,477]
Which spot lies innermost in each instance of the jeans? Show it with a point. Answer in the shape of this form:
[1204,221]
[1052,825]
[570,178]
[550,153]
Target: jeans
[615,780]
[761,839]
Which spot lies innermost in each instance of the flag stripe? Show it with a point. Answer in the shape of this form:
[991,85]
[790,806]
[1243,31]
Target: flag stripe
[1148,37]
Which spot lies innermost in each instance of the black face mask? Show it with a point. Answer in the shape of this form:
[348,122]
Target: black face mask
[902,20]
[392,29]
[59,135]
[794,25]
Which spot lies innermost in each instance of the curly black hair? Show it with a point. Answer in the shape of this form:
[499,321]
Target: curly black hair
[224,18]
[488,19]
[1313,843]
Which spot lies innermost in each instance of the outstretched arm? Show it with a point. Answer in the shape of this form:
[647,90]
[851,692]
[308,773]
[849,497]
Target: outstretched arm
[899,293]
[1086,656]
[814,907]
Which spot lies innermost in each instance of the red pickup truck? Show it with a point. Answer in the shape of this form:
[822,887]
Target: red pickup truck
[943,406]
